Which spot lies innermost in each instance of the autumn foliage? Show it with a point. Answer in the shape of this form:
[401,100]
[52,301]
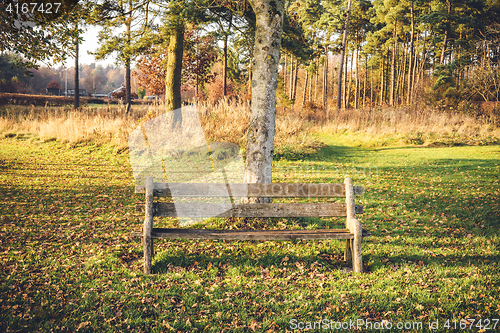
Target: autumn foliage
[54,84]
[198,57]
[151,70]
[121,94]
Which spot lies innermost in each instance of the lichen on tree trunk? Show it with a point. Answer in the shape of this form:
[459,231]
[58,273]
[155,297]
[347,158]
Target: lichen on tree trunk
[173,73]
[128,90]
[128,99]
[261,129]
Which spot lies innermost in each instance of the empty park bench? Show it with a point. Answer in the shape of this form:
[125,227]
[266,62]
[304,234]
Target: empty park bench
[353,233]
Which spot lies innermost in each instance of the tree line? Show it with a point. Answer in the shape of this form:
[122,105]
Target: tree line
[389,52]
[95,79]
[396,52]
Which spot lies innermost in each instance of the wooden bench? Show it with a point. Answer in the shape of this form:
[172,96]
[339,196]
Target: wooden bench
[353,233]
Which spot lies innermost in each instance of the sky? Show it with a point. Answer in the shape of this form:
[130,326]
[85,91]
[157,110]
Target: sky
[89,44]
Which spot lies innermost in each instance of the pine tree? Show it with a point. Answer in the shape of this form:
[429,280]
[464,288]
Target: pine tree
[125,14]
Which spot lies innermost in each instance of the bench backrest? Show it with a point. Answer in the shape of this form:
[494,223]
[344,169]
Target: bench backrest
[233,209]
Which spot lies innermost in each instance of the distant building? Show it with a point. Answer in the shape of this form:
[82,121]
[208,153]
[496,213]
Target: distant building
[82,92]
[53,91]
[117,91]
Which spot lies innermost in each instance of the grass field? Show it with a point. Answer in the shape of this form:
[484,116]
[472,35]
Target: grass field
[69,263]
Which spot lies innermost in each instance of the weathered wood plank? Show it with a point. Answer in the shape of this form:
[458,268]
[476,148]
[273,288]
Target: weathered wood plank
[275,190]
[250,210]
[249,234]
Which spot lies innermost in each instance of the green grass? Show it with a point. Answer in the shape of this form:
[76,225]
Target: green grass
[69,263]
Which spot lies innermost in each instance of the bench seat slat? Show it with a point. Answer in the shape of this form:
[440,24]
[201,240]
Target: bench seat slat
[251,210]
[275,190]
[249,234]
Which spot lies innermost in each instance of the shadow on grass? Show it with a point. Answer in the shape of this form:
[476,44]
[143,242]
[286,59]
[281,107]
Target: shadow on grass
[444,261]
[331,152]
[445,197]
[331,258]
[235,256]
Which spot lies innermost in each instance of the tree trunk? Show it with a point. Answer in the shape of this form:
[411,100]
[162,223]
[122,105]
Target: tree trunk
[290,94]
[77,83]
[128,97]
[261,128]
[295,76]
[445,38]
[325,76]
[371,85]
[317,82]
[364,83]
[356,88]
[310,88]
[344,86]
[224,70]
[305,89]
[250,77]
[393,66]
[459,76]
[344,44]
[348,88]
[196,92]
[422,62]
[226,34]
[414,70]
[173,74]
[333,80]
[401,68]
[410,65]
[382,81]
[284,74]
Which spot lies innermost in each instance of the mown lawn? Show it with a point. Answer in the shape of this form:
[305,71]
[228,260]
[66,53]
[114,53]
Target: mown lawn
[69,263]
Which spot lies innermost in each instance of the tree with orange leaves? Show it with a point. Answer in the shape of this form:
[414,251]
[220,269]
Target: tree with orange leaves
[199,54]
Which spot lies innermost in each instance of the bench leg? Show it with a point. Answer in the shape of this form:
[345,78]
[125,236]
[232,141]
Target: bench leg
[357,260]
[348,251]
[148,226]
[148,254]
[152,248]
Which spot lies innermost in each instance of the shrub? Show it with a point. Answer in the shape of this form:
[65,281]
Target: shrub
[141,92]
[54,84]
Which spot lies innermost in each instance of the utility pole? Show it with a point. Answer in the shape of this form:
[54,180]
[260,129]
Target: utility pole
[66,86]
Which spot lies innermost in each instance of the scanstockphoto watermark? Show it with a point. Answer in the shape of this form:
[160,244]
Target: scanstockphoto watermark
[358,324]
[350,171]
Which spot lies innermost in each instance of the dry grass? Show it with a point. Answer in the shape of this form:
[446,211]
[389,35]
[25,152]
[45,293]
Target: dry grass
[98,125]
[228,120]
[412,125]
